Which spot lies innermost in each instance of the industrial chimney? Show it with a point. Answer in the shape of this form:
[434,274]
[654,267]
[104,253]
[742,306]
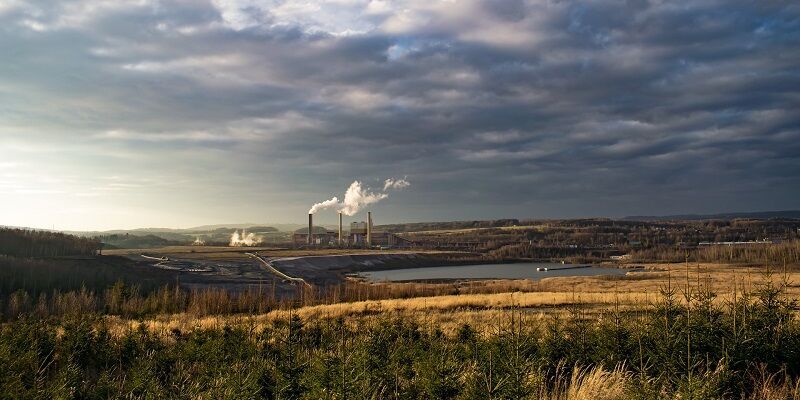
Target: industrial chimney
[369,229]
[340,229]
[310,227]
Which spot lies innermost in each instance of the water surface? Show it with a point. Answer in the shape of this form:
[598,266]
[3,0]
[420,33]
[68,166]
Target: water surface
[490,271]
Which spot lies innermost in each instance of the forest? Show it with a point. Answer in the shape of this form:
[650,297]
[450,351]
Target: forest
[594,240]
[33,243]
[770,253]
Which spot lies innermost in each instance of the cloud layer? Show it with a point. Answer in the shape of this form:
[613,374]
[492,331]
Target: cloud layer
[160,112]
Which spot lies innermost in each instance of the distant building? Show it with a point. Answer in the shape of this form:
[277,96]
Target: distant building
[319,236]
[356,237]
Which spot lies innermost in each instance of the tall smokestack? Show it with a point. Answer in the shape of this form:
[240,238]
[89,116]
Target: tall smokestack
[340,229]
[369,228]
[310,227]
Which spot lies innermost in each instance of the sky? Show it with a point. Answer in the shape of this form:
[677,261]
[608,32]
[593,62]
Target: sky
[146,113]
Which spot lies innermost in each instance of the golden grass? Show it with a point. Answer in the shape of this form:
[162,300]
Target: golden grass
[470,301]
[593,384]
[600,384]
[720,278]
[769,388]
[448,312]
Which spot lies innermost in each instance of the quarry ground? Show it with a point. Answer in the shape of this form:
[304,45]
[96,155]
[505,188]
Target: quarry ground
[232,268]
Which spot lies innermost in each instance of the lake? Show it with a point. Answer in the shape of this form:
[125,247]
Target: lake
[490,271]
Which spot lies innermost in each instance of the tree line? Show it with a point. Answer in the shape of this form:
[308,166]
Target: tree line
[770,254]
[135,300]
[623,236]
[31,243]
[37,276]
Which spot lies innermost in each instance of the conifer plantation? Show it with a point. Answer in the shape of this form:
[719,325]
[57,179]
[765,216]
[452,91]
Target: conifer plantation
[683,346]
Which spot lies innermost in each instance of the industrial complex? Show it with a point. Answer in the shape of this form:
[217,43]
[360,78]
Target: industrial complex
[361,234]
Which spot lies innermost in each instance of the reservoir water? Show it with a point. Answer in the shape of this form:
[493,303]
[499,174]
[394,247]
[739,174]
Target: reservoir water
[490,271]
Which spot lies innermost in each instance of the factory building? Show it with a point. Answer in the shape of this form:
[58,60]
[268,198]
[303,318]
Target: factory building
[360,234]
[320,236]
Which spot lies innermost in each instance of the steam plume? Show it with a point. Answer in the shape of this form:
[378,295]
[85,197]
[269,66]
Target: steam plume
[333,202]
[358,196]
[245,239]
[395,184]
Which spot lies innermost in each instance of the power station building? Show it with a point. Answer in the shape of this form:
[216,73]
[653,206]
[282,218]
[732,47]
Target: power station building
[320,236]
[360,234]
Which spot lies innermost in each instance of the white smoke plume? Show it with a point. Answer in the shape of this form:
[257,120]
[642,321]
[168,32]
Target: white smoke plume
[245,239]
[198,242]
[358,196]
[395,184]
[333,202]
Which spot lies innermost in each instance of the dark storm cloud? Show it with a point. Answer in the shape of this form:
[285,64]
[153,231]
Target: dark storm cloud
[518,108]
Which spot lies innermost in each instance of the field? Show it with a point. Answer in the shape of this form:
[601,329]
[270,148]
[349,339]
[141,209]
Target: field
[555,343]
[333,294]
[211,322]
[481,303]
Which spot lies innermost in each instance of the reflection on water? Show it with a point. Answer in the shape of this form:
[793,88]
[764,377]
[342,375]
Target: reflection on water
[491,271]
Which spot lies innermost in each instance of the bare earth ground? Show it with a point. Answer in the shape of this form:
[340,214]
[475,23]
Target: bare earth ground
[231,268]
[222,253]
[590,295]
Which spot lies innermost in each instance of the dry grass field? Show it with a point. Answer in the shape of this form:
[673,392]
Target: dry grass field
[719,278]
[587,295]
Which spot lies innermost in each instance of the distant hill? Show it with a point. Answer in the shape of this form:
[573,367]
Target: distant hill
[159,237]
[128,241]
[433,226]
[202,228]
[793,214]
[179,233]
